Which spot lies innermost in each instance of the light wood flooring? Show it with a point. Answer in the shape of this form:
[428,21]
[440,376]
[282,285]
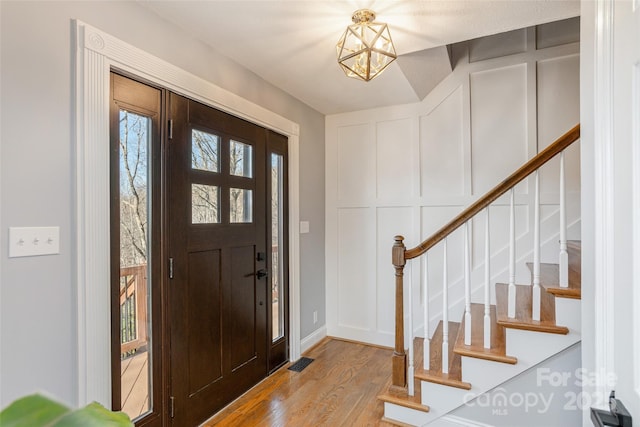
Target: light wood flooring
[339,388]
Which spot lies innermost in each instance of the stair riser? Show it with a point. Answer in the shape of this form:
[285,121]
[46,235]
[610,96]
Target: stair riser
[486,374]
[533,347]
[568,313]
[444,399]
[405,415]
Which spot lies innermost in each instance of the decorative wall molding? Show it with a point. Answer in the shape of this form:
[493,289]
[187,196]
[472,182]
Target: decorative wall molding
[96,54]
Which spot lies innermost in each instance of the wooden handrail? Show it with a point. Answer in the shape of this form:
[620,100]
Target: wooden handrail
[527,169]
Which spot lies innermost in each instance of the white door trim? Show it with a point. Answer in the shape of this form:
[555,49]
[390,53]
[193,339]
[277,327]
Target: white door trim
[96,53]
[604,185]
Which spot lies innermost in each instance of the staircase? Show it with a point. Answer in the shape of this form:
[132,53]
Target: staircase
[492,343]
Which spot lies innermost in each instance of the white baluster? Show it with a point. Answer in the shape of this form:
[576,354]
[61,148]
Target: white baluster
[511,305]
[427,336]
[535,309]
[564,256]
[445,314]
[487,280]
[410,369]
[467,287]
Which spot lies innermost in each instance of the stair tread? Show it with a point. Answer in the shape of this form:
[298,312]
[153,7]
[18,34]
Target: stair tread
[523,319]
[434,374]
[550,280]
[550,274]
[399,396]
[498,350]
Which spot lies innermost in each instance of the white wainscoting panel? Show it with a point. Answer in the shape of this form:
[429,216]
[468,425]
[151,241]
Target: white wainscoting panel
[356,163]
[498,124]
[441,148]
[395,151]
[558,33]
[434,217]
[558,111]
[501,44]
[356,273]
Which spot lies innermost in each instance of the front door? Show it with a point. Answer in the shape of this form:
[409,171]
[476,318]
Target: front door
[219,286]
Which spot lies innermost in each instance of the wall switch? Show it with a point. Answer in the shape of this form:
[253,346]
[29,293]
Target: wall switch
[33,241]
[315,317]
[304,227]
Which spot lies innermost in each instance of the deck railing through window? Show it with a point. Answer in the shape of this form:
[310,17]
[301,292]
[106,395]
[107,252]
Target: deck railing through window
[133,309]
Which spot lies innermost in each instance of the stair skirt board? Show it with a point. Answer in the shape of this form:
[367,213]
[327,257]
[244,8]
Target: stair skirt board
[455,421]
[445,399]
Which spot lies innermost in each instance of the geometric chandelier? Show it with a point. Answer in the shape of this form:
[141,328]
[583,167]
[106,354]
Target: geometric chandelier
[365,49]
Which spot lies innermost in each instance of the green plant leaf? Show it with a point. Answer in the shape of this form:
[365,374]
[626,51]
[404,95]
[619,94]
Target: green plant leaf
[92,415]
[32,411]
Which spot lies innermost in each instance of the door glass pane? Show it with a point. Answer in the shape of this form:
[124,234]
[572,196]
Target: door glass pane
[241,205]
[135,308]
[240,159]
[205,204]
[205,148]
[277,221]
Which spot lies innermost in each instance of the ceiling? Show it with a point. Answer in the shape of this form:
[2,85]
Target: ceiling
[291,43]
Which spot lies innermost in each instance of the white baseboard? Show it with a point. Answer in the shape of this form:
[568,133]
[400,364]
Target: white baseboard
[453,421]
[312,339]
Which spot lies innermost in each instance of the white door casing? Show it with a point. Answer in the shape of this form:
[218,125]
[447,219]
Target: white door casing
[95,55]
[626,131]
[615,341]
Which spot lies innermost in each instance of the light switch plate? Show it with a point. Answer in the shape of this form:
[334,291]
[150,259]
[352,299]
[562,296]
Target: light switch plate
[304,227]
[33,241]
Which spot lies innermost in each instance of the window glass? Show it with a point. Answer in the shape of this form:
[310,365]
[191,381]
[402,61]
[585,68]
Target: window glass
[135,309]
[205,149]
[240,159]
[205,204]
[277,221]
[241,205]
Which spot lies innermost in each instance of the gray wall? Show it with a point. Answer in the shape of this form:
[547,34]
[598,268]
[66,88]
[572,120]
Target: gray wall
[37,296]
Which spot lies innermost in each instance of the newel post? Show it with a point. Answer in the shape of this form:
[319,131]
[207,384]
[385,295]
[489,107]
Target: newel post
[399,376]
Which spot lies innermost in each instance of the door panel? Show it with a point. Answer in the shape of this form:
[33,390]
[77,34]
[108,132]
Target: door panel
[217,225]
[243,298]
[204,313]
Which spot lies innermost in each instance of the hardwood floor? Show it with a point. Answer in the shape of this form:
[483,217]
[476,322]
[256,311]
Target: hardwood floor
[339,388]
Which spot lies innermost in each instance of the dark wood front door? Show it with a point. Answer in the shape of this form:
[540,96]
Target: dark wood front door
[218,281]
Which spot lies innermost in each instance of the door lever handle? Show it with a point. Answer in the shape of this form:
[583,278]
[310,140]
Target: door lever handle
[262,273]
[618,416]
